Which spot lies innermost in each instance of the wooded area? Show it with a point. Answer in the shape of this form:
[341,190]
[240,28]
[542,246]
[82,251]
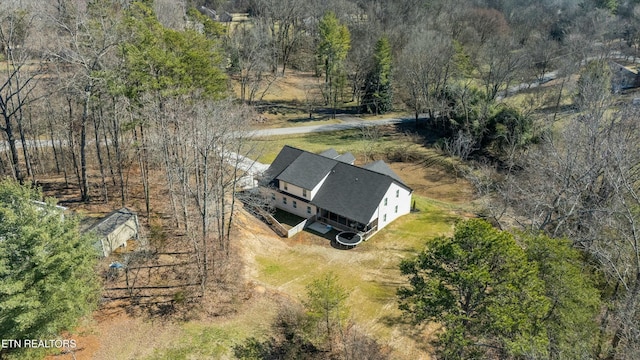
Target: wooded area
[158,98]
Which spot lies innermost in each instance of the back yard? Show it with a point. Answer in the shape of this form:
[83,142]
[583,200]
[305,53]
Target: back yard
[276,270]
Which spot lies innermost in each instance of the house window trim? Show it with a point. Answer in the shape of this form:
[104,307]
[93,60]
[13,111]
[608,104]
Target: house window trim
[284,200]
[295,204]
[384,218]
[304,192]
[385,201]
[309,210]
[396,209]
[397,193]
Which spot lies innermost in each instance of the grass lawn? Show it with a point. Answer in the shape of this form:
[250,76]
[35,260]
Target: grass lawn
[352,141]
[197,340]
[369,272]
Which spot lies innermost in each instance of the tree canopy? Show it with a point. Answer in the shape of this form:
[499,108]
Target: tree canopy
[47,276]
[335,42]
[377,96]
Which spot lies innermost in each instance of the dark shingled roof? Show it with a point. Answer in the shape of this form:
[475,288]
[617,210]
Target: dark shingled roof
[331,153]
[382,168]
[352,192]
[346,158]
[111,222]
[286,156]
[307,170]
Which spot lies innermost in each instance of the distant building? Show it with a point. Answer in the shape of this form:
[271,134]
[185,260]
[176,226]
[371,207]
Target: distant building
[208,12]
[114,230]
[225,17]
[623,78]
[329,189]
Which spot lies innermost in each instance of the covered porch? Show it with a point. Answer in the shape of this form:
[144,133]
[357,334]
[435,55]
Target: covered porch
[343,223]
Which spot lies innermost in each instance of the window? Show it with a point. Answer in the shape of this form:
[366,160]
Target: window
[304,192]
[396,209]
[285,186]
[295,204]
[384,218]
[398,193]
[284,200]
[385,201]
[308,209]
[273,196]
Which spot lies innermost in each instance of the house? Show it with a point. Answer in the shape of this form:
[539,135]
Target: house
[330,189]
[114,230]
[623,78]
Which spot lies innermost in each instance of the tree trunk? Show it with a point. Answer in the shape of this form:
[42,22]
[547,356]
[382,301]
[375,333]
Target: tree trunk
[8,129]
[23,141]
[96,129]
[84,182]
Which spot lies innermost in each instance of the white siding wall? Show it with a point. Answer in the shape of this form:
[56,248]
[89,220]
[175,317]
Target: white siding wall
[119,237]
[402,201]
[298,191]
[301,206]
[292,189]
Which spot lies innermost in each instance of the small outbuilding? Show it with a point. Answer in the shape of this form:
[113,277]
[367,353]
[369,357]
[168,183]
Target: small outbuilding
[114,230]
[623,78]
[225,17]
[208,12]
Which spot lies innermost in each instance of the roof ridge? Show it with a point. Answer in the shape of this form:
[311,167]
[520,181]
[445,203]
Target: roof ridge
[379,173]
[352,165]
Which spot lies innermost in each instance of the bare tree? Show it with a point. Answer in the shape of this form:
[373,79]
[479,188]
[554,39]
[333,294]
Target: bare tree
[248,47]
[499,65]
[284,19]
[19,75]
[426,68]
[204,151]
[86,40]
[581,183]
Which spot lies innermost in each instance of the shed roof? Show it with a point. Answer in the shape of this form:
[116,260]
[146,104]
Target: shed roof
[111,222]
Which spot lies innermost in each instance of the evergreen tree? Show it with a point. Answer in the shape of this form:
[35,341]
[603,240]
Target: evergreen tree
[335,42]
[47,275]
[377,96]
[480,286]
[325,305]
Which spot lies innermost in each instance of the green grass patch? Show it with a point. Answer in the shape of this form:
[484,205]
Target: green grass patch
[342,141]
[201,342]
[369,273]
[215,341]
